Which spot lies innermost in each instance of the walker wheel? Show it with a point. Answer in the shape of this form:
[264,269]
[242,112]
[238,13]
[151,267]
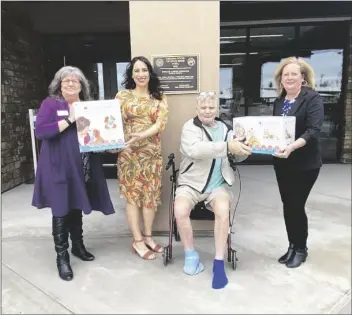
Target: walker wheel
[234,260]
[166,255]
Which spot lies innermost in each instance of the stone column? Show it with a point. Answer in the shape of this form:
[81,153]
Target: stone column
[178,27]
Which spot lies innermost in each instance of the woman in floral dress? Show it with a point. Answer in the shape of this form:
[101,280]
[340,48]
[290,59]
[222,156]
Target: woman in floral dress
[144,113]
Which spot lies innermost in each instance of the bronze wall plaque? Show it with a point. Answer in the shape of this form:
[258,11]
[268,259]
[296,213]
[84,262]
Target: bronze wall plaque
[178,74]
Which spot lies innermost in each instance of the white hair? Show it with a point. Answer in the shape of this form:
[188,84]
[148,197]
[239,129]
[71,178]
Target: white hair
[55,85]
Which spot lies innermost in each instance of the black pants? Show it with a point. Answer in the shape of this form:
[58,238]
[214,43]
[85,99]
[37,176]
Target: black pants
[295,186]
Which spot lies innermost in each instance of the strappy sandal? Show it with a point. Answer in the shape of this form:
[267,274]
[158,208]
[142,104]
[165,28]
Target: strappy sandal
[148,255]
[157,249]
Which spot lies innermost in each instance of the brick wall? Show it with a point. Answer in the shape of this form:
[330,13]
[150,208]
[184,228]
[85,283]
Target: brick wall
[22,87]
[346,154]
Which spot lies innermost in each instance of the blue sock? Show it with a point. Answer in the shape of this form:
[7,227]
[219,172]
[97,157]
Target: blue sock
[219,275]
[192,264]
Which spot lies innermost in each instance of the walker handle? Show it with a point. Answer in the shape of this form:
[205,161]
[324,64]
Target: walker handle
[171,160]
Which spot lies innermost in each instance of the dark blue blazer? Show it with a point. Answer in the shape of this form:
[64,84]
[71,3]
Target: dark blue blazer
[309,112]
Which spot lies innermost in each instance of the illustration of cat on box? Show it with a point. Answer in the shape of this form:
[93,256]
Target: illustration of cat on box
[110,122]
[269,136]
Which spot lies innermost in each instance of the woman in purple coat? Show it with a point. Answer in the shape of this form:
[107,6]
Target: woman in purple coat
[67,181]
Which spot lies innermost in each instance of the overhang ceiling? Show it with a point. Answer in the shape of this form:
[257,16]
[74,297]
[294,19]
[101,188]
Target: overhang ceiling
[64,17]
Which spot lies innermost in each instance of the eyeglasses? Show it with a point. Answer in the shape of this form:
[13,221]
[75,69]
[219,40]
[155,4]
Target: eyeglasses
[67,81]
[204,95]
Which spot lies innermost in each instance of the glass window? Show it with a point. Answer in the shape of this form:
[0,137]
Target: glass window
[100,81]
[325,54]
[231,98]
[267,47]
[120,72]
[232,43]
[232,73]
[250,56]
[268,38]
[326,36]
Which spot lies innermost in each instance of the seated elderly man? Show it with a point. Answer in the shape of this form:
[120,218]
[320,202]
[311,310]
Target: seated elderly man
[205,175]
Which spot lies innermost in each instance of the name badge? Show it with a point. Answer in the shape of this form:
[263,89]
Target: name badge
[62,113]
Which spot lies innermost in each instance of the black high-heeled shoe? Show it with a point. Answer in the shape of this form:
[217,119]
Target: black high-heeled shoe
[299,256]
[286,257]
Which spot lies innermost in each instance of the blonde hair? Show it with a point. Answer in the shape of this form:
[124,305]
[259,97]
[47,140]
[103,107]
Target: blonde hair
[306,71]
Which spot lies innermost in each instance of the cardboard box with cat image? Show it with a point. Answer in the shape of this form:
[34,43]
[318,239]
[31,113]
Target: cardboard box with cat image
[265,134]
[99,125]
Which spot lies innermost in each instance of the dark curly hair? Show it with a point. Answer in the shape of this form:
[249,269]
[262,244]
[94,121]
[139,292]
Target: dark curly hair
[154,82]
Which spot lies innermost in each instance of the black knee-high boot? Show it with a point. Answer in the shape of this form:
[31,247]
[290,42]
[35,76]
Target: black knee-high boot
[60,234]
[76,233]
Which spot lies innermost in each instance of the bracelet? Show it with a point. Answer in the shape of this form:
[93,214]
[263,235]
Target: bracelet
[68,121]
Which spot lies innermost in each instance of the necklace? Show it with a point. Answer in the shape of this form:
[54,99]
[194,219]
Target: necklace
[137,98]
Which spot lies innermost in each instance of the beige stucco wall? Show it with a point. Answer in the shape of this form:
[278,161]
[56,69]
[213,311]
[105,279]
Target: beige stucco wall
[178,27]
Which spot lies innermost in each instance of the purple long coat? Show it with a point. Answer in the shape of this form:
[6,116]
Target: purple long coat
[59,182]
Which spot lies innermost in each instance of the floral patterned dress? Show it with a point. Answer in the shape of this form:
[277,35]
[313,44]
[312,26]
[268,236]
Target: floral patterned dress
[139,167]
